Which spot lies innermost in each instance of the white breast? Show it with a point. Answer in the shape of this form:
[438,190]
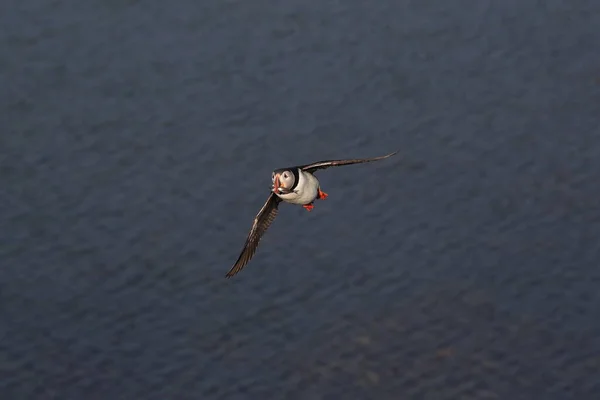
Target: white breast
[306,190]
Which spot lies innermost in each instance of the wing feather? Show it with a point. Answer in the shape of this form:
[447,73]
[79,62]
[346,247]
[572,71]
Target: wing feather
[262,221]
[336,163]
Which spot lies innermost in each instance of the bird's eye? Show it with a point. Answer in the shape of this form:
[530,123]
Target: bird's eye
[285,175]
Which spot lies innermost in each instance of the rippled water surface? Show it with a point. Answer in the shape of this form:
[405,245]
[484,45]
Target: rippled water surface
[137,144]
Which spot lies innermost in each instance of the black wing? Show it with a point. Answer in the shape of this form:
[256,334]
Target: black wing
[335,163]
[262,221]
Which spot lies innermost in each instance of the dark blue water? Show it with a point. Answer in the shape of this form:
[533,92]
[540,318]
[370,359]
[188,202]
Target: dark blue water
[137,143]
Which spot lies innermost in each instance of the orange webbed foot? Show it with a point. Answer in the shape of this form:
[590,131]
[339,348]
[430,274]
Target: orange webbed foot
[321,195]
[309,206]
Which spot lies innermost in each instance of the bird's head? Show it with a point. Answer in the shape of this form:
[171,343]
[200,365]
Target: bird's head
[283,181]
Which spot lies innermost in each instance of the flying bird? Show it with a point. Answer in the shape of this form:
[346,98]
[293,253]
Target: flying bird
[295,185]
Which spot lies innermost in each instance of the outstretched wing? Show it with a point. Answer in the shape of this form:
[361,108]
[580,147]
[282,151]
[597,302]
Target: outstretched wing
[262,221]
[336,163]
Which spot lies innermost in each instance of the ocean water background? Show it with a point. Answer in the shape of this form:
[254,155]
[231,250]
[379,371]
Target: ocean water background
[137,143]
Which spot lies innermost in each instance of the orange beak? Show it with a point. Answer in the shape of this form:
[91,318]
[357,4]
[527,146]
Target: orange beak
[276,184]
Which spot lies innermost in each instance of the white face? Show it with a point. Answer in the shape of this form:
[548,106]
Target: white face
[283,180]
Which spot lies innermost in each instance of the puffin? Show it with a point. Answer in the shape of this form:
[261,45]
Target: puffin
[295,185]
